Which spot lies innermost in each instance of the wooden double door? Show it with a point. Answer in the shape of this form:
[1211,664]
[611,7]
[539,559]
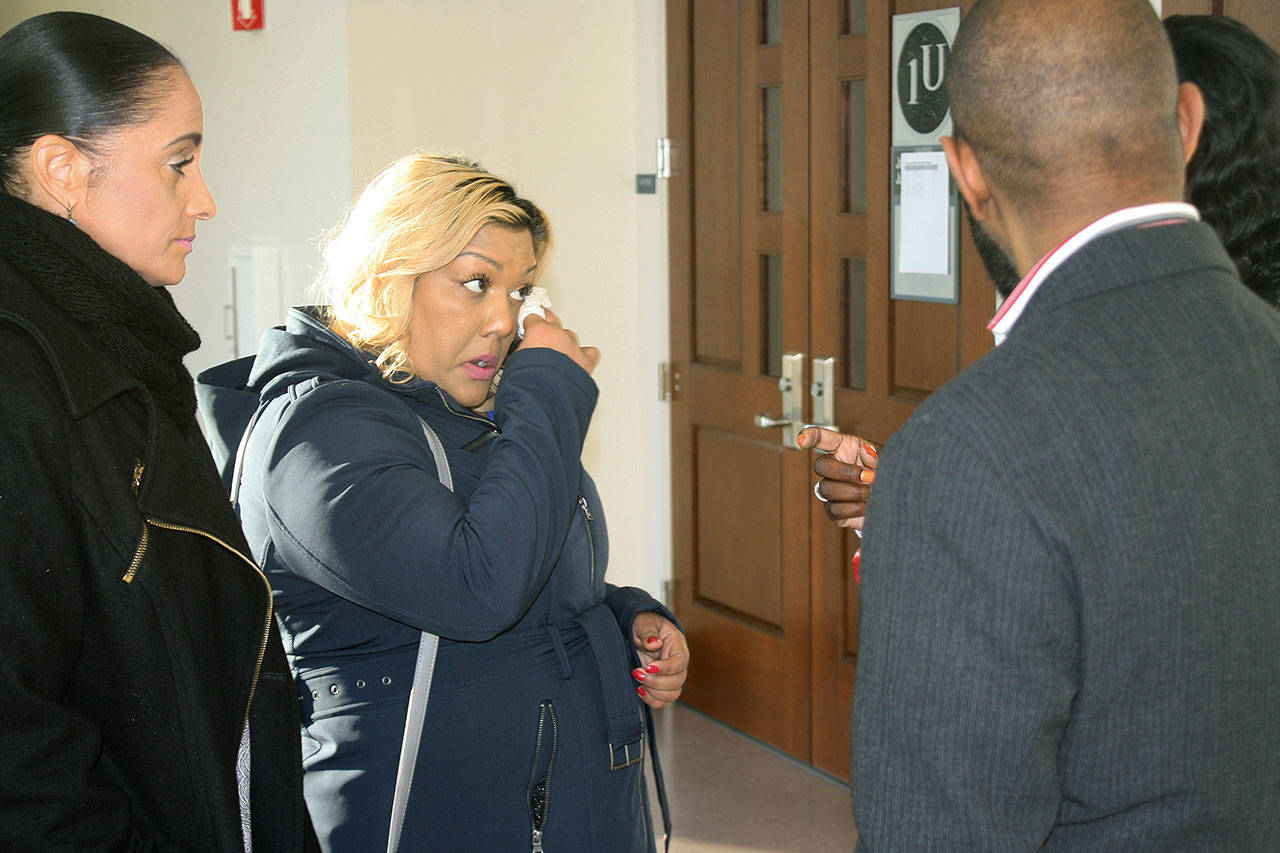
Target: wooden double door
[779,119]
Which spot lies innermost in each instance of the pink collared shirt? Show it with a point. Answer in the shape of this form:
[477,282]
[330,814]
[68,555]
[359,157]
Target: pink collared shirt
[1160,213]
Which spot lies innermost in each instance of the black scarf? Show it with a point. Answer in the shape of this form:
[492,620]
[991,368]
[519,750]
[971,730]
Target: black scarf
[136,324]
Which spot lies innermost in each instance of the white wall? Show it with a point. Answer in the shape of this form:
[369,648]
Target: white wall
[566,100]
[276,152]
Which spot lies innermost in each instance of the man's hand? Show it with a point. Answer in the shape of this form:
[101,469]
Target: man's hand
[846,468]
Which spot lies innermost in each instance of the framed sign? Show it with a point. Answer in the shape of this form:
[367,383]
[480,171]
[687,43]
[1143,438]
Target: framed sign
[921,54]
[924,233]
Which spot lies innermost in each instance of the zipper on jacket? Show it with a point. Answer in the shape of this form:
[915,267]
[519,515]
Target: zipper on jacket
[135,485]
[539,796]
[138,554]
[591,542]
[266,627]
[467,415]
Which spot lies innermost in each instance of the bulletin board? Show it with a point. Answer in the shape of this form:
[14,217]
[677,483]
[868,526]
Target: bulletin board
[924,232]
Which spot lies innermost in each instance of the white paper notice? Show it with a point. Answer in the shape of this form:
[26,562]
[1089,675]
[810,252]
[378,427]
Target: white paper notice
[923,240]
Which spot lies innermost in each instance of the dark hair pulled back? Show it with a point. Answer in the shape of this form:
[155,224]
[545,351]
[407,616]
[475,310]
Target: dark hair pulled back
[75,75]
[1234,176]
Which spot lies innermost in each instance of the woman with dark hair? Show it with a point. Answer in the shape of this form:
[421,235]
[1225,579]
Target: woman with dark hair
[383,506]
[145,698]
[1234,176]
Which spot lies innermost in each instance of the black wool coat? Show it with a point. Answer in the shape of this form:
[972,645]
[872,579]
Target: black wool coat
[136,635]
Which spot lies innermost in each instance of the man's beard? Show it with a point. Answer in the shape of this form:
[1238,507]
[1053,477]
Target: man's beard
[1004,275]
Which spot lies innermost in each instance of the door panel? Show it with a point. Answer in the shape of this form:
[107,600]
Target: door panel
[738,118]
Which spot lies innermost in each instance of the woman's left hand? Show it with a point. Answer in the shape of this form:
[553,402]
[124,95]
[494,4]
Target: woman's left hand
[664,659]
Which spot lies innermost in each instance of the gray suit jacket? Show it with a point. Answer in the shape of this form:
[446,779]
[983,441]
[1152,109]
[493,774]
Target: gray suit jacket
[1070,630]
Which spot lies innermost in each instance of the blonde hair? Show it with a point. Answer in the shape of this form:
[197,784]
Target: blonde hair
[416,216]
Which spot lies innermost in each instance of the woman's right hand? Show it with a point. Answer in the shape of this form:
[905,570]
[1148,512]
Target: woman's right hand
[539,332]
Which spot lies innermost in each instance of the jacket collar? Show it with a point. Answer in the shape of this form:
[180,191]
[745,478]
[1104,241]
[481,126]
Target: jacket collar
[87,379]
[306,322]
[172,467]
[1126,257]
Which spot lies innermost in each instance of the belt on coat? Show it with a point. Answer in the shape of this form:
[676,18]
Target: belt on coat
[623,720]
[376,679]
[389,676]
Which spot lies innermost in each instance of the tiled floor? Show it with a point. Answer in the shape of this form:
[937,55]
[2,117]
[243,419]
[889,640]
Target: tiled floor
[731,794]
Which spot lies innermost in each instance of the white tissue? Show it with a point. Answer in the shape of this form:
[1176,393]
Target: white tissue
[537,302]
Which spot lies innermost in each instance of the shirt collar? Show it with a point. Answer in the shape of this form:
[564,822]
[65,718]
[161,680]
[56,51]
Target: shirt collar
[1160,213]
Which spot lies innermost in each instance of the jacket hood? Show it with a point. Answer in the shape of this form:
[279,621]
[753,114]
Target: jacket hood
[303,348]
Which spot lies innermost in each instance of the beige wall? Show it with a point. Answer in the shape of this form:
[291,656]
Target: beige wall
[566,100]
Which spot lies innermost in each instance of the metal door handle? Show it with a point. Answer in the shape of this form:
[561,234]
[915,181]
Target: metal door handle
[792,373]
[823,391]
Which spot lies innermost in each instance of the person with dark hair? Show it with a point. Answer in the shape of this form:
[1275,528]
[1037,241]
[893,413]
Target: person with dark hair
[144,693]
[1233,178]
[1070,596]
[518,718]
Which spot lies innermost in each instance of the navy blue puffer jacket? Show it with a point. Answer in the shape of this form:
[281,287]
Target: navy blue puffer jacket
[531,706]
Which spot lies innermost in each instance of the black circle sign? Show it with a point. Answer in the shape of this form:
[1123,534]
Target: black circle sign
[922,73]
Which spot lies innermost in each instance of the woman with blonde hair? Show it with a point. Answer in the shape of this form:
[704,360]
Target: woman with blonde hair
[386,510]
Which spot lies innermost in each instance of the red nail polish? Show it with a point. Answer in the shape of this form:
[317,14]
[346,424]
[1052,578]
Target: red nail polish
[641,691]
[637,674]
[857,565]
[653,667]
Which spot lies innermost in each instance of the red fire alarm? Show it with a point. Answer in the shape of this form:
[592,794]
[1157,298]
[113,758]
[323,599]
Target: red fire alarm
[246,14]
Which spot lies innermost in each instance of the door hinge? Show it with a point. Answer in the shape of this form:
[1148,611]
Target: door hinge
[668,381]
[664,157]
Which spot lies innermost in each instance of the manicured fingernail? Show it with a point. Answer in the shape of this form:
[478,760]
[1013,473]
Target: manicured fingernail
[857,565]
[866,475]
[871,451]
[641,691]
[800,440]
[652,640]
[637,674]
[653,667]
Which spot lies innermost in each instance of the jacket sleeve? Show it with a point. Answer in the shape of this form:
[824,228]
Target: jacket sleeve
[49,752]
[627,602]
[967,655]
[354,503]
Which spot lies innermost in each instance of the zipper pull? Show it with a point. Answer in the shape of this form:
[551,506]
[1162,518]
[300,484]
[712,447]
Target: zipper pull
[586,510]
[138,468]
[537,841]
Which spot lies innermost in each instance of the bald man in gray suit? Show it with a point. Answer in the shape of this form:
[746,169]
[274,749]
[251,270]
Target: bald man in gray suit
[1070,632]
